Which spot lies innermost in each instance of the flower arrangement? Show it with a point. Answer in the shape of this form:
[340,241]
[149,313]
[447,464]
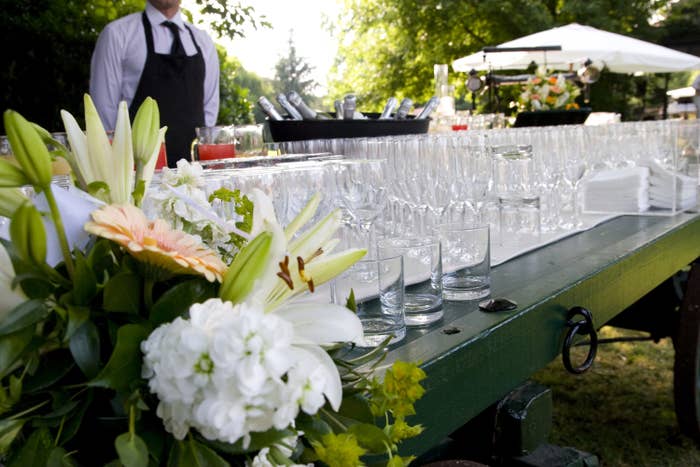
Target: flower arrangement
[157,326]
[543,92]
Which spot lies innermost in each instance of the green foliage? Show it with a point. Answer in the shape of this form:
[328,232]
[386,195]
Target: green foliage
[235,105]
[227,18]
[242,206]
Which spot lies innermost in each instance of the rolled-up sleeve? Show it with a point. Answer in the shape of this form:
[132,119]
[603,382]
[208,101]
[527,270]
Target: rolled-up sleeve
[106,76]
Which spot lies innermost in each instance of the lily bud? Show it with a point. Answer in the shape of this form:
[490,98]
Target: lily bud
[145,132]
[10,200]
[28,234]
[246,268]
[11,176]
[29,150]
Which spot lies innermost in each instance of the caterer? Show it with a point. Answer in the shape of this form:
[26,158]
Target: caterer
[156,53]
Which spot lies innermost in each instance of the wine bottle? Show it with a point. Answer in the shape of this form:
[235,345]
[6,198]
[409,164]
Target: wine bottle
[349,106]
[403,109]
[308,113]
[388,108]
[338,109]
[428,109]
[291,110]
[268,108]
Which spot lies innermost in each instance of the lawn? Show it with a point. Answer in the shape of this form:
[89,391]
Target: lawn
[622,408]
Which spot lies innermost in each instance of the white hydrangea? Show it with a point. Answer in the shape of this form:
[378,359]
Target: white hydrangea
[230,370]
[282,451]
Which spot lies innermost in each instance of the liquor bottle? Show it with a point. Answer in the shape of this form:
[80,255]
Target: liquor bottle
[388,108]
[268,108]
[309,114]
[349,106]
[338,109]
[291,110]
[428,109]
[403,109]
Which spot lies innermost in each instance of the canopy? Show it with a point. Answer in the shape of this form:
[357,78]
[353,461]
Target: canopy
[621,54]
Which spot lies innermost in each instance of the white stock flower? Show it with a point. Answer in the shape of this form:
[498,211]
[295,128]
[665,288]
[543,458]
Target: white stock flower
[231,370]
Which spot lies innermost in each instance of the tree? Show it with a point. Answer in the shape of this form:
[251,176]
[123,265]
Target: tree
[234,103]
[388,47]
[292,73]
[256,87]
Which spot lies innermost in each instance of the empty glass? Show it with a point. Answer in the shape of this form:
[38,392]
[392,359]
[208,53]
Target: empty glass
[466,261]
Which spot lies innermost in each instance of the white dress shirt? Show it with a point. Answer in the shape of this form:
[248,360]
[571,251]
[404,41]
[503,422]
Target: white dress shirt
[120,56]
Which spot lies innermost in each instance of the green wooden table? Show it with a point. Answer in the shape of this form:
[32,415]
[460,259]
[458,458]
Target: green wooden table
[473,359]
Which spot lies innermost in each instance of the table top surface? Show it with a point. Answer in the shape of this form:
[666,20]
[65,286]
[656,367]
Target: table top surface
[473,358]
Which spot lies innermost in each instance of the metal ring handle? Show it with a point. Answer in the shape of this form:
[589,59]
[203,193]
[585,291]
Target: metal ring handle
[584,326]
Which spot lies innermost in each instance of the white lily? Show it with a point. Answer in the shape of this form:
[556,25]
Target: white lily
[9,297]
[96,159]
[288,268]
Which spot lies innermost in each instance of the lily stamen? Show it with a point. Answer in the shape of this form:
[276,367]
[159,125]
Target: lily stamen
[284,273]
[302,274]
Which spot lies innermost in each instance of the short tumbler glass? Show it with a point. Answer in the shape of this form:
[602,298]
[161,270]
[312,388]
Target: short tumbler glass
[422,264]
[466,261]
[378,287]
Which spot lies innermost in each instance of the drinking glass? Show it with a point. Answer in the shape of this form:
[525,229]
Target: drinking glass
[422,261]
[378,287]
[214,142]
[466,261]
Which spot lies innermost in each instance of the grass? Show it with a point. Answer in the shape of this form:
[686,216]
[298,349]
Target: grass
[622,408]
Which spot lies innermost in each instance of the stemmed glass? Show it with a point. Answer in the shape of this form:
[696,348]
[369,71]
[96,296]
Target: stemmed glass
[575,166]
[362,191]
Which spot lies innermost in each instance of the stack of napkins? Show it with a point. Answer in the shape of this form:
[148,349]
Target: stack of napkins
[661,190]
[617,190]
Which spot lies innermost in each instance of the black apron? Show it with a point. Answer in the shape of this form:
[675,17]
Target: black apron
[177,85]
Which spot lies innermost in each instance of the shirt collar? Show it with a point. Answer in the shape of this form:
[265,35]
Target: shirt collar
[156,17]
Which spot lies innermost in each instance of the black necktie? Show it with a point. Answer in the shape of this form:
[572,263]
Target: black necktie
[177,49]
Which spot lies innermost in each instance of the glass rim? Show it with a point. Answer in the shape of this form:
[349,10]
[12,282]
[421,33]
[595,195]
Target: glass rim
[420,241]
[460,226]
[379,260]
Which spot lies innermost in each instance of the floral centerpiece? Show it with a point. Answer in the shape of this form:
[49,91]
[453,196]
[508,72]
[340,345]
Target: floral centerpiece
[548,92]
[175,337]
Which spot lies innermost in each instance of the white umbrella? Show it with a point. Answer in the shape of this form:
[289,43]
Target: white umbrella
[621,54]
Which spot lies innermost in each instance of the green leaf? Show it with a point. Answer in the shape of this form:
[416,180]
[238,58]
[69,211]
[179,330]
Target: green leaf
[73,423]
[35,451]
[132,451]
[98,189]
[59,457]
[194,454]
[370,437]
[356,407]
[9,429]
[84,281]
[350,304]
[123,293]
[258,440]
[177,300]
[23,315]
[85,347]
[101,258]
[312,426]
[61,411]
[11,348]
[124,366]
[77,315]
[52,367]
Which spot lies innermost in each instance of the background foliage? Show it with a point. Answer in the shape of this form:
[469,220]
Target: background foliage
[388,47]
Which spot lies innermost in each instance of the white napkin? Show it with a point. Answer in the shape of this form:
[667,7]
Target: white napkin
[617,190]
[670,189]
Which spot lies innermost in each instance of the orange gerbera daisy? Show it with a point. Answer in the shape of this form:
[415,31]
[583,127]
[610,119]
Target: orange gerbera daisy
[154,242]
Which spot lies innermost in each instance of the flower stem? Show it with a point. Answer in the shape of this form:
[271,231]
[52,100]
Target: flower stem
[58,223]
[132,421]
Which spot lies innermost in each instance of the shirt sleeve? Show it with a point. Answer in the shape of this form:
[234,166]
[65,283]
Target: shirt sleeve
[211,81]
[106,76]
